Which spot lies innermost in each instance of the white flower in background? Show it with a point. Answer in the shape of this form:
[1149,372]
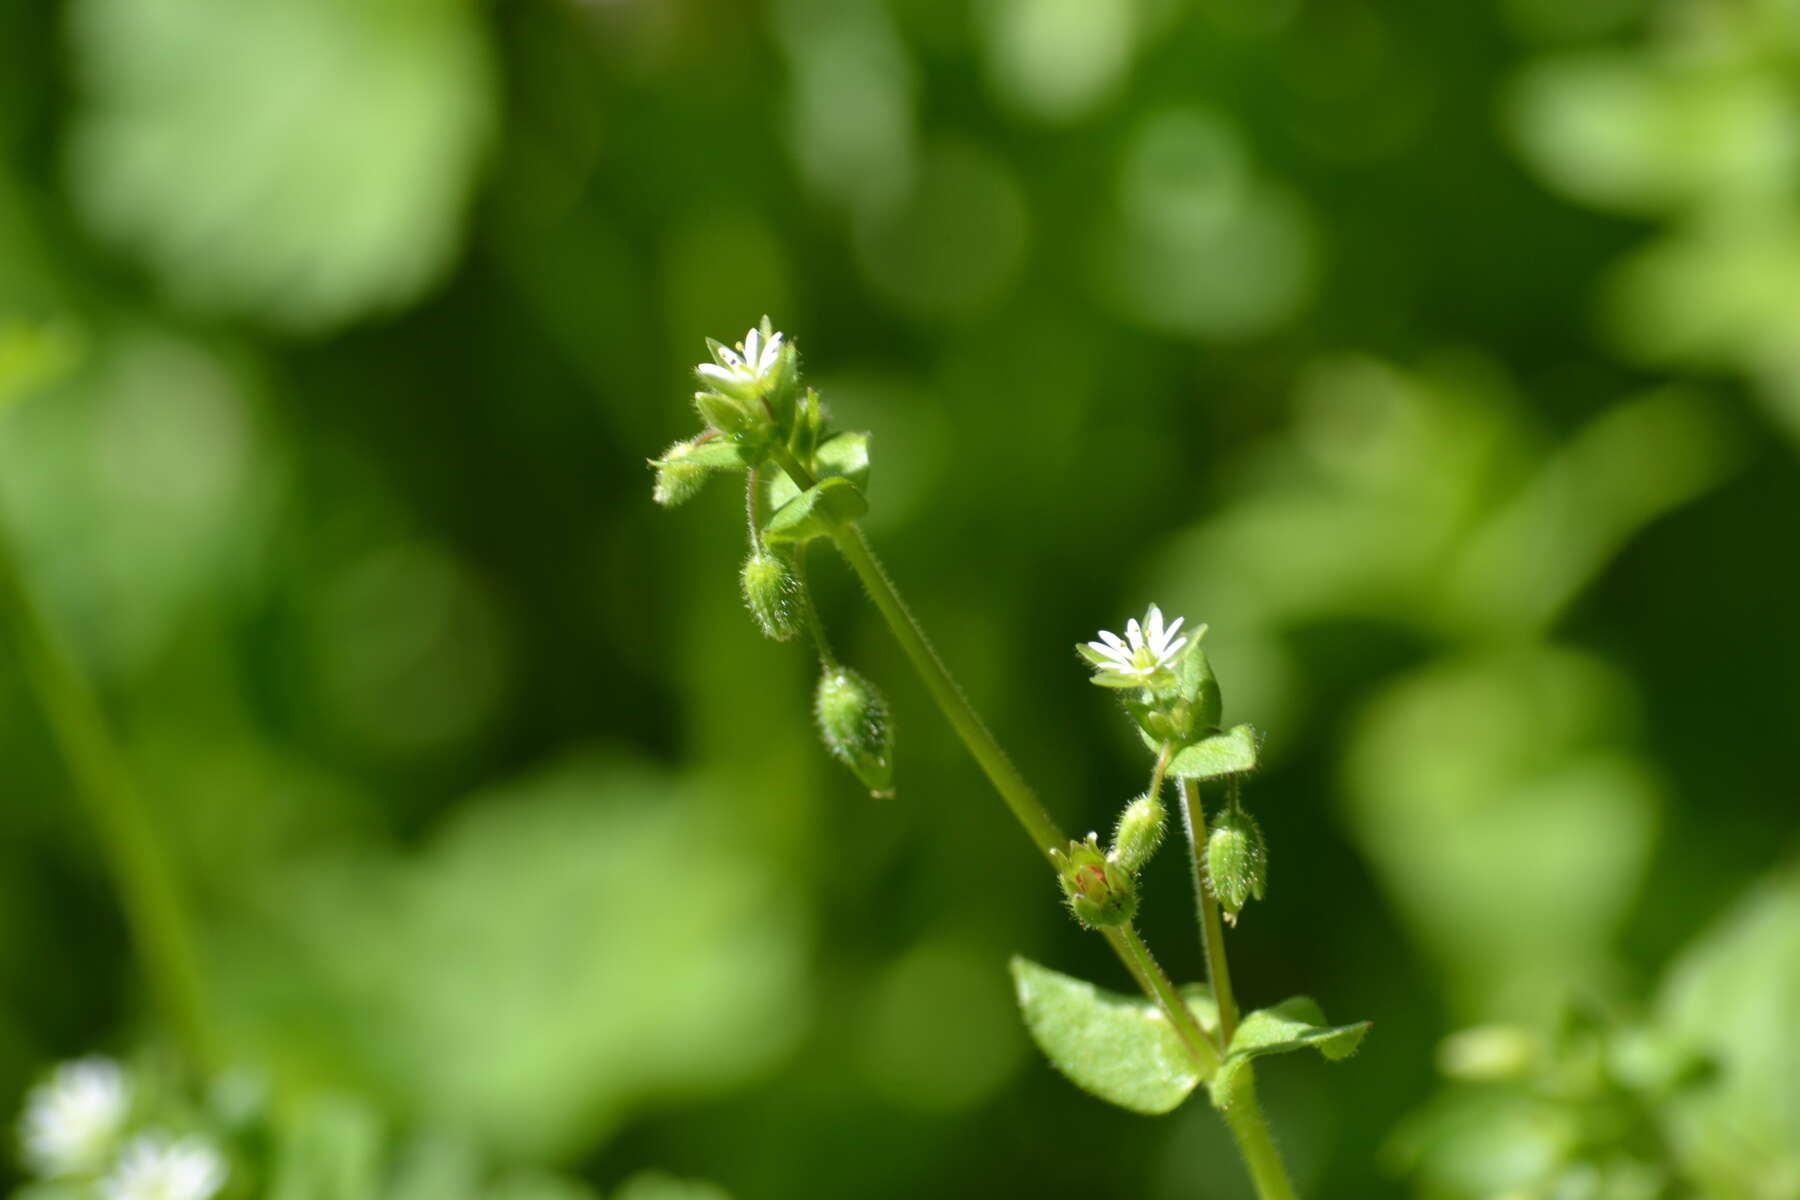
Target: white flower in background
[744,369]
[1140,655]
[154,1167]
[73,1120]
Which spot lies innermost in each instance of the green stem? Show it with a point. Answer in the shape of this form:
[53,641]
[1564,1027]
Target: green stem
[1212,930]
[133,852]
[1245,1118]
[814,625]
[1248,1126]
[1005,777]
[1130,943]
[1255,1142]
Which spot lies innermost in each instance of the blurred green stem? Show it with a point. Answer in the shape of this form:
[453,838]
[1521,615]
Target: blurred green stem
[134,854]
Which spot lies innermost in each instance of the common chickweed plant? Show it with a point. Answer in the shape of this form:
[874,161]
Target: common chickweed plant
[805,483]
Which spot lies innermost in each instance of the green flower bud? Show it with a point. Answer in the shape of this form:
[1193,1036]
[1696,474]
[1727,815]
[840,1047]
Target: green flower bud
[676,479]
[1099,891]
[773,595]
[1237,861]
[1139,833]
[853,720]
[725,413]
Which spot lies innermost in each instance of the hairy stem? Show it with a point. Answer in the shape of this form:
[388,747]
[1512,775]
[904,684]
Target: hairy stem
[814,625]
[1212,930]
[1157,983]
[142,874]
[1255,1142]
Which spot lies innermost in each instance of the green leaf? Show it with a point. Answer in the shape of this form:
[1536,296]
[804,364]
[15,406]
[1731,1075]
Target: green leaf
[1118,1048]
[814,512]
[224,145]
[1294,1024]
[1229,753]
[841,456]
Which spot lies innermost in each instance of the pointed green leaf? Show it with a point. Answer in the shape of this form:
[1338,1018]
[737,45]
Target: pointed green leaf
[1294,1024]
[814,512]
[843,455]
[1229,753]
[1118,1048]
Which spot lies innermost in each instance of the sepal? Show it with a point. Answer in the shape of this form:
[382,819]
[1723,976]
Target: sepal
[1100,893]
[772,594]
[853,721]
[1139,833]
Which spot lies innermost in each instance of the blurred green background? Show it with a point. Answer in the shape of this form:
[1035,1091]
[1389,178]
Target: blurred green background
[1445,358]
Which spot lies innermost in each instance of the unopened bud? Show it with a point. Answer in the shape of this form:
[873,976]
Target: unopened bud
[1100,892]
[853,720]
[1139,833]
[772,594]
[1237,861]
[676,480]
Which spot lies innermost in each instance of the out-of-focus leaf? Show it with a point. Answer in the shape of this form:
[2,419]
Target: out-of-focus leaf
[659,1185]
[1115,1047]
[1230,753]
[1502,811]
[33,355]
[538,1185]
[299,161]
[572,945]
[1295,1024]
[1734,995]
[330,1149]
[436,1167]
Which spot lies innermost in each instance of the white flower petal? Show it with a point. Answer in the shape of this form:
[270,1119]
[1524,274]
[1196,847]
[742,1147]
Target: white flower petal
[155,1168]
[752,343]
[713,371]
[72,1121]
[771,352]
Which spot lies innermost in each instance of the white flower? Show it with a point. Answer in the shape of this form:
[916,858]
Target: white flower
[154,1167]
[743,369]
[73,1120]
[1144,651]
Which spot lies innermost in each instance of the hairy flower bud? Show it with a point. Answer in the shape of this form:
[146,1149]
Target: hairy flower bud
[853,720]
[676,482]
[1237,861]
[1139,833]
[772,594]
[1100,892]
